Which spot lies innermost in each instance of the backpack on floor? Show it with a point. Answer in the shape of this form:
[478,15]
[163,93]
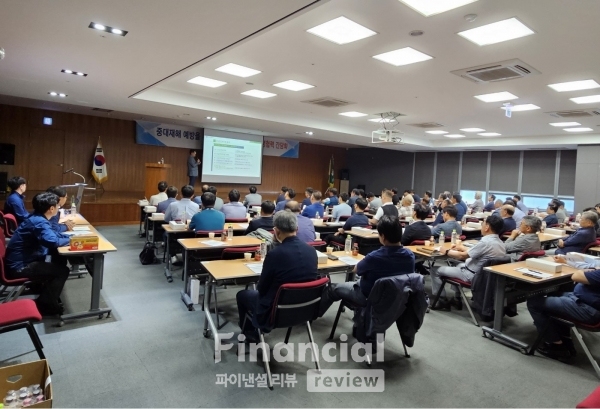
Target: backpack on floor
[148,254]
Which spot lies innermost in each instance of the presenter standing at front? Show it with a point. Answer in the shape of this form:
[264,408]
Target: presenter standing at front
[193,163]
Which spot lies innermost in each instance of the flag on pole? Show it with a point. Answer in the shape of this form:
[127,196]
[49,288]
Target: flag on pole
[99,171]
[331,172]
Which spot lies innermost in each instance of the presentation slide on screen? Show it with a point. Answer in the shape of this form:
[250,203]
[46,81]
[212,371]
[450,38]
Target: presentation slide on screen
[231,158]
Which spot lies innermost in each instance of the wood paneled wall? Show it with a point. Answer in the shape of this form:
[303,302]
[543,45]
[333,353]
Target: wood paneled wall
[125,159]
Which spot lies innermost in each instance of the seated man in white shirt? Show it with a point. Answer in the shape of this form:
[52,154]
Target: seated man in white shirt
[343,209]
[161,196]
[386,208]
[234,209]
[183,209]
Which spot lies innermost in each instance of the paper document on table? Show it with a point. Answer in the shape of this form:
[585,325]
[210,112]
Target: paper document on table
[255,267]
[244,225]
[351,261]
[335,224]
[533,273]
[77,233]
[212,243]
[81,228]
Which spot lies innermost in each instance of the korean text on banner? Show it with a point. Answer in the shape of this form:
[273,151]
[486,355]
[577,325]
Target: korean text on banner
[176,136]
[284,148]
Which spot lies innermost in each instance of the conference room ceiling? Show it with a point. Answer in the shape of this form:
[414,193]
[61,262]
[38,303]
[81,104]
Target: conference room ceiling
[145,73]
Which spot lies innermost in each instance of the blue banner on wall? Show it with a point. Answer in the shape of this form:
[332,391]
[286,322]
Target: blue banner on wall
[176,136]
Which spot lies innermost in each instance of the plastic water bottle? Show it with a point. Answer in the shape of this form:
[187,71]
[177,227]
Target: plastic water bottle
[73,209]
[454,237]
[230,232]
[162,161]
[578,217]
[543,226]
[442,238]
[317,215]
[431,241]
[263,249]
[348,245]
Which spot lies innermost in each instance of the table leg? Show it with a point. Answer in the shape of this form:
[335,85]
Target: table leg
[186,283]
[168,261]
[209,324]
[97,278]
[496,331]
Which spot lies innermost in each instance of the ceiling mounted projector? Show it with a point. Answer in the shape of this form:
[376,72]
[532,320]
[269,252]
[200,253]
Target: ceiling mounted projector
[387,136]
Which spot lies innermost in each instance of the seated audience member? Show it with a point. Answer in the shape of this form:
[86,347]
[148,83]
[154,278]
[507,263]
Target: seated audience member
[478,203]
[395,196]
[374,203]
[291,262]
[265,221]
[234,209]
[171,197]
[289,195]
[27,250]
[342,209]
[355,194]
[490,246]
[252,198]
[581,305]
[15,202]
[204,189]
[358,219]
[582,237]
[61,193]
[362,194]
[497,206]
[209,218]
[551,218]
[461,207]
[519,203]
[507,212]
[416,198]
[406,208]
[490,204]
[387,261]
[597,207]
[332,199]
[439,200]
[518,213]
[524,239]
[219,203]
[440,216]
[417,230]
[281,196]
[427,195]
[183,209]
[387,208]
[561,213]
[597,223]
[315,208]
[307,194]
[450,224]
[425,201]
[161,196]
[306,228]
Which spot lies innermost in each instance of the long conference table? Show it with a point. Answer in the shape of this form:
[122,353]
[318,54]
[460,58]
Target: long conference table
[95,265]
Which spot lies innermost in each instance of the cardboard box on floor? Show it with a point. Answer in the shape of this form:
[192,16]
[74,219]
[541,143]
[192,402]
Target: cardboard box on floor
[30,373]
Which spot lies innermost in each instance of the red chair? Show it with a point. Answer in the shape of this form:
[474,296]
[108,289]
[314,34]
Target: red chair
[318,245]
[10,224]
[531,254]
[244,220]
[295,304]
[20,314]
[592,401]
[17,285]
[344,218]
[590,245]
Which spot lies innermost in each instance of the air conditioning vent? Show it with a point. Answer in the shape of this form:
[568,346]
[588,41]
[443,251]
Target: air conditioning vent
[329,102]
[580,113]
[501,71]
[102,110]
[427,125]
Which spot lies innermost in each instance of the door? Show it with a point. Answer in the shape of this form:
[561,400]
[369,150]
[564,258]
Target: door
[45,158]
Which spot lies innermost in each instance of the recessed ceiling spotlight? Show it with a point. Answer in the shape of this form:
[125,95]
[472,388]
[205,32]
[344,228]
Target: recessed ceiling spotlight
[521,107]
[496,97]
[490,134]
[79,74]
[308,132]
[352,114]
[436,132]
[472,130]
[59,94]
[432,7]
[293,85]
[207,82]
[560,124]
[497,32]
[53,93]
[341,31]
[586,100]
[237,70]
[62,95]
[578,129]
[403,56]
[471,17]
[258,94]
[107,29]
[574,85]
[210,118]
[454,135]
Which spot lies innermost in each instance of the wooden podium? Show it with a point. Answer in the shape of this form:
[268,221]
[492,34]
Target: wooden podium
[155,172]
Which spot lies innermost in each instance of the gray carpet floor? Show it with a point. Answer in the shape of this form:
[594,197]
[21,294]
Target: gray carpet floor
[151,353]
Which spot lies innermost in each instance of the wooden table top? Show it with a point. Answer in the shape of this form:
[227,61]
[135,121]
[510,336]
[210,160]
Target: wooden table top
[78,219]
[236,227]
[597,249]
[509,270]
[230,269]
[370,234]
[237,241]
[104,246]
[550,237]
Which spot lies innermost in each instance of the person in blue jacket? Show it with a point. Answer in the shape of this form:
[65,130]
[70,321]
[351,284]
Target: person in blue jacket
[15,202]
[58,227]
[27,250]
